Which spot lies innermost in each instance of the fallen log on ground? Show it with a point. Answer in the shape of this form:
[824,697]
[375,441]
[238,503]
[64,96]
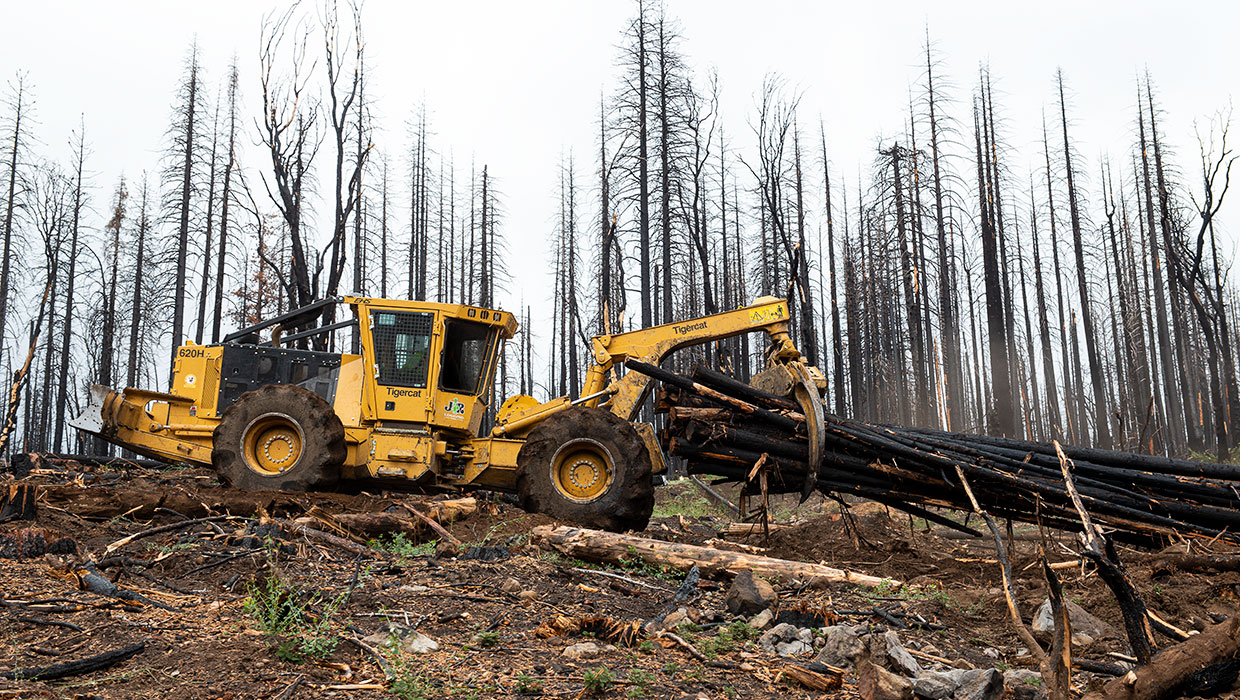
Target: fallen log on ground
[596,545]
[1176,670]
[90,664]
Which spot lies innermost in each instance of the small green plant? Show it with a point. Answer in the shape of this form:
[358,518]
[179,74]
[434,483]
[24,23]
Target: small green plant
[281,612]
[689,628]
[169,548]
[598,680]
[729,692]
[408,685]
[741,631]
[697,674]
[671,667]
[639,682]
[1034,680]
[1157,589]
[647,647]
[528,685]
[487,640]
[400,545]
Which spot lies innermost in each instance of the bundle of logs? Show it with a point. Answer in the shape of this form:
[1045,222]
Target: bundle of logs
[726,428]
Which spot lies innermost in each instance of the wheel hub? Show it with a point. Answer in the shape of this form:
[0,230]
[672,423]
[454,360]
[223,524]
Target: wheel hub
[271,444]
[581,470]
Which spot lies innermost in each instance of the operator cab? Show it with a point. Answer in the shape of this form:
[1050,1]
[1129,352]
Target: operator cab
[421,362]
[432,363]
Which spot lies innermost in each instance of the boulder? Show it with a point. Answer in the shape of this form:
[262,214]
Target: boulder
[893,655]
[582,650]
[749,595]
[1085,627]
[762,620]
[782,632]
[980,684]
[937,685]
[877,683]
[794,648]
[1024,684]
[403,638]
[841,648]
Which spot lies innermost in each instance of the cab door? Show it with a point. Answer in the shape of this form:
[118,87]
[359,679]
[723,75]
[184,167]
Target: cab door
[403,344]
[466,369]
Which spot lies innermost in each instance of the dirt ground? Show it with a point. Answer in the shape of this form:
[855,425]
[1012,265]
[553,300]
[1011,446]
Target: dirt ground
[248,608]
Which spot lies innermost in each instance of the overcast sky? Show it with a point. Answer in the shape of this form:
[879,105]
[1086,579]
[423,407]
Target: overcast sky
[515,84]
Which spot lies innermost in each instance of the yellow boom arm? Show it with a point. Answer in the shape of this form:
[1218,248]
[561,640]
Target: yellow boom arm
[623,396]
[652,345]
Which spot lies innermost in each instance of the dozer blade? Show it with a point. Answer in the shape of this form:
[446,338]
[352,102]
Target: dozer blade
[91,418]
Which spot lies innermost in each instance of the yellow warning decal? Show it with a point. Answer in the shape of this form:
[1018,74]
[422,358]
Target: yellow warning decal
[766,314]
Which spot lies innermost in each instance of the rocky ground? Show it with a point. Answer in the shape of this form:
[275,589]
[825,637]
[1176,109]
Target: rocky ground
[257,606]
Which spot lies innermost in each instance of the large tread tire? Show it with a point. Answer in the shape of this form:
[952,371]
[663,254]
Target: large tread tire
[322,440]
[629,498]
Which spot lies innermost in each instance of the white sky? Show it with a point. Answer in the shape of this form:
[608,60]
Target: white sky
[515,84]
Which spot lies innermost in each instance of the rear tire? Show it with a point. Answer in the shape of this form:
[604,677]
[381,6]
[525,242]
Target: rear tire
[279,437]
[589,467]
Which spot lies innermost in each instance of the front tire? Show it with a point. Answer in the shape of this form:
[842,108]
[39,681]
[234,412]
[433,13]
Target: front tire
[589,467]
[279,437]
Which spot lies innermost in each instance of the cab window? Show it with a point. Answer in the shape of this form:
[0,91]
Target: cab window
[402,342]
[467,350]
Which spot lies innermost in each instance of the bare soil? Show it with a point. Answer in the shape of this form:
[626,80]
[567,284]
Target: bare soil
[204,639]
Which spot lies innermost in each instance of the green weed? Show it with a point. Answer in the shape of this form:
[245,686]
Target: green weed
[400,545]
[598,680]
[284,614]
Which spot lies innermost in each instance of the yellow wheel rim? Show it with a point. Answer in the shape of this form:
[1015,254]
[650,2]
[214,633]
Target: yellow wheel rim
[271,444]
[581,470]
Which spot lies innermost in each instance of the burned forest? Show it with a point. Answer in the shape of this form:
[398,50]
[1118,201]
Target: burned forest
[617,362]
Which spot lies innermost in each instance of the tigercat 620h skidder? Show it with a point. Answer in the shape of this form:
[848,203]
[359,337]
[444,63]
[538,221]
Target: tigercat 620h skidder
[408,409]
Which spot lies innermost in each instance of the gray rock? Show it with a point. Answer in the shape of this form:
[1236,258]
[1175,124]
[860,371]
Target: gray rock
[667,622]
[877,683]
[403,638]
[841,648]
[937,685]
[783,632]
[1085,627]
[895,656]
[980,684]
[749,595]
[762,620]
[582,650]
[418,643]
[1024,684]
[794,648]
[806,635]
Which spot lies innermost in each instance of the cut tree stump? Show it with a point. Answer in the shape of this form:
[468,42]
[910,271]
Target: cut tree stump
[17,503]
[596,545]
[1171,670]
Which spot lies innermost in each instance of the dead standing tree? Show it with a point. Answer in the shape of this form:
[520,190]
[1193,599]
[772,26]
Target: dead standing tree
[776,118]
[288,131]
[345,109]
[17,122]
[1202,283]
[181,173]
